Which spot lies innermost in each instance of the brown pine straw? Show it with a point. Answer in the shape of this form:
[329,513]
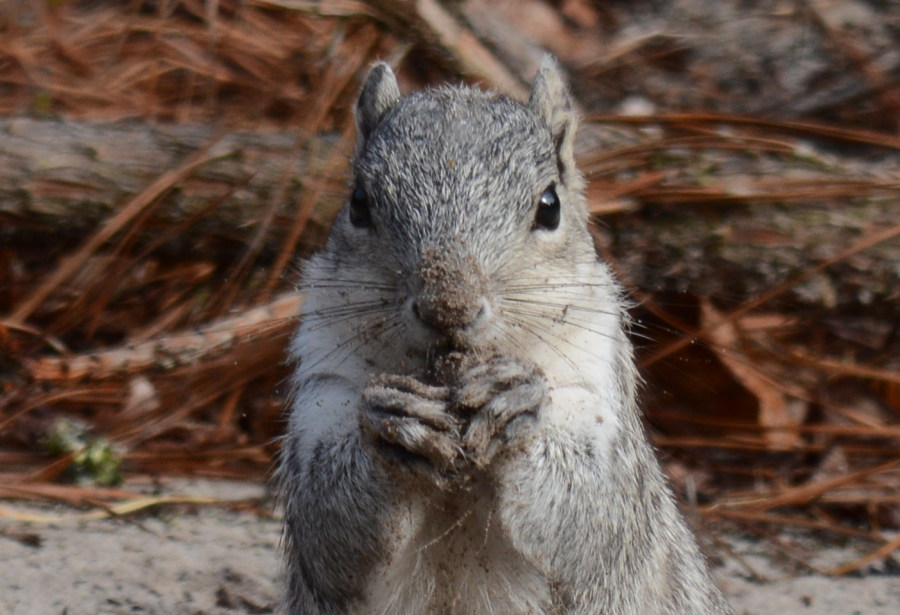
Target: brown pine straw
[336,159]
[801,495]
[872,239]
[846,369]
[806,128]
[130,506]
[176,348]
[885,550]
[788,521]
[213,360]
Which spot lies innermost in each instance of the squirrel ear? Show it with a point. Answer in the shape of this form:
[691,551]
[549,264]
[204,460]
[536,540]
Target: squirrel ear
[550,100]
[379,93]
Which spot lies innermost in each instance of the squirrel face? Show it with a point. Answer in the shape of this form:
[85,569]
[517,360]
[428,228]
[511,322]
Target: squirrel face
[459,197]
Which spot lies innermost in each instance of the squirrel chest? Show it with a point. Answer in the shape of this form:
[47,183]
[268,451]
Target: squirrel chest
[452,558]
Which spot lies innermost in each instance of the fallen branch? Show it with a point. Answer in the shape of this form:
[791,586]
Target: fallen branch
[172,349]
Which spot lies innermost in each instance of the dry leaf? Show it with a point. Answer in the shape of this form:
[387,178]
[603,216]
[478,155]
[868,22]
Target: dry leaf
[778,414]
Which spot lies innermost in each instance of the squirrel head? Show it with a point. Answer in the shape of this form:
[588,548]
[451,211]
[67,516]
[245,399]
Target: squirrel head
[459,200]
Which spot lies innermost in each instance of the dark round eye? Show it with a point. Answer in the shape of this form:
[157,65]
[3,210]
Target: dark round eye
[360,214]
[547,216]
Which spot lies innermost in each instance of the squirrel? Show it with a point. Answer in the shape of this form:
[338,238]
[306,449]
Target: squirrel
[463,435]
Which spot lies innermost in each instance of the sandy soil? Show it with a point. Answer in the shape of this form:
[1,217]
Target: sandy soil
[192,561]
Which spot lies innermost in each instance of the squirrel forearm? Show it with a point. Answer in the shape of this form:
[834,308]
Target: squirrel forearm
[604,527]
[335,509]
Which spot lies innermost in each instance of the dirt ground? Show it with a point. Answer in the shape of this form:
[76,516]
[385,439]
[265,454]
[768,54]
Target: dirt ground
[210,561]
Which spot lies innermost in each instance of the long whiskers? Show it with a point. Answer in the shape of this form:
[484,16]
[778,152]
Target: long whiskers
[561,305]
[542,318]
[356,339]
[516,342]
[335,314]
[528,327]
[565,310]
[348,283]
[534,320]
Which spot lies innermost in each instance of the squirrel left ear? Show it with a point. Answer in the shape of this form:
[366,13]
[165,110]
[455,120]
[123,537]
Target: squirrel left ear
[550,100]
[379,93]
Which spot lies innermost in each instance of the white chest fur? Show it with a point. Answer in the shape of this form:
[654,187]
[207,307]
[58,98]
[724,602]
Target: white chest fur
[454,559]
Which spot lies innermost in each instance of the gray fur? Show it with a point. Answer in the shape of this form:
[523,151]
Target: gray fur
[464,436]
[379,94]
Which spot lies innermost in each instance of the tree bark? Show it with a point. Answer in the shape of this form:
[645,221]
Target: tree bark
[67,176]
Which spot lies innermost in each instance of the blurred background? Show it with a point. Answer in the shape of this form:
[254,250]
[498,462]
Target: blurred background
[165,164]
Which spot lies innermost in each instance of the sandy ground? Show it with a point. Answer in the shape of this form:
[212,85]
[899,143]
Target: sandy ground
[198,561]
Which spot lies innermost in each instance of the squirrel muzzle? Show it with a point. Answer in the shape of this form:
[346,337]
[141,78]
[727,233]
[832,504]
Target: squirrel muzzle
[452,299]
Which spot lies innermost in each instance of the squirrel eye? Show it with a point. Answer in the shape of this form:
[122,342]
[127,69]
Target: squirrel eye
[360,214]
[547,216]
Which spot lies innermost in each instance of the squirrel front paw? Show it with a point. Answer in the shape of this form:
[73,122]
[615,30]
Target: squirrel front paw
[446,432]
[494,399]
[410,423]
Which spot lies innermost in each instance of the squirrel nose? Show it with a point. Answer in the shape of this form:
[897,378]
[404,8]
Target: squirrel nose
[451,294]
[450,313]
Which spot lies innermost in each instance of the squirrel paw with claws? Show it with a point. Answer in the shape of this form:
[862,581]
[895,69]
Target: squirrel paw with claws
[445,432]
[495,398]
[411,423]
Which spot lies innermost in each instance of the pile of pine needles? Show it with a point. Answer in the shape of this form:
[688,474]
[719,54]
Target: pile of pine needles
[151,342]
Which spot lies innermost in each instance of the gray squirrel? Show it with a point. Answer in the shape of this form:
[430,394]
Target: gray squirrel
[463,435]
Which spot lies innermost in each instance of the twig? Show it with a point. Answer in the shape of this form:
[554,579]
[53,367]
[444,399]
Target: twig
[882,552]
[121,509]
[828,131]
[473,57]
[181,348]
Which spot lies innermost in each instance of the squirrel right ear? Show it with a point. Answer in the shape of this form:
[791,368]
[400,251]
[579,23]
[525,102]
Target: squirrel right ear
[550,100]
[379,93]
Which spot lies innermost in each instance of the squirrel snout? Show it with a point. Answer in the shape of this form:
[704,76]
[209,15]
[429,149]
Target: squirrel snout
[450,314]
[452,293]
